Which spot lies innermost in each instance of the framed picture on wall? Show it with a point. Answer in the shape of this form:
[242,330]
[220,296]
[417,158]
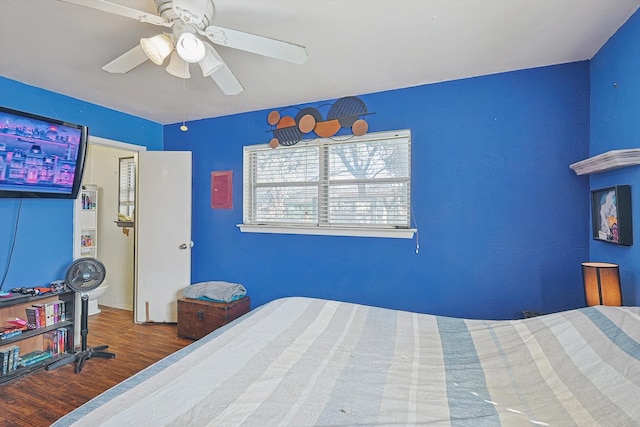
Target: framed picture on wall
[611,214]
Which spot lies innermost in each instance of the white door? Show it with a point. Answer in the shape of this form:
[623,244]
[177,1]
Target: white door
[163,234]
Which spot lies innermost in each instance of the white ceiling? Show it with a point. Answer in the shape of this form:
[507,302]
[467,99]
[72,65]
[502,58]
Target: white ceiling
[355,47]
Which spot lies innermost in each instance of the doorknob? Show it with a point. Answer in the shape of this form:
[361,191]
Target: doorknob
[186,245]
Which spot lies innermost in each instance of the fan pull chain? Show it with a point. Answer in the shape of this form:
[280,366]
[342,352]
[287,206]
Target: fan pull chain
[184,127]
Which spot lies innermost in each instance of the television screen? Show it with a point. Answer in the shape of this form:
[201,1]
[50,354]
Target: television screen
[39,156]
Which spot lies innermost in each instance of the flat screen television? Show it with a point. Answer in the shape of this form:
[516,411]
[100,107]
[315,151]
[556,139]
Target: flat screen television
[39,156]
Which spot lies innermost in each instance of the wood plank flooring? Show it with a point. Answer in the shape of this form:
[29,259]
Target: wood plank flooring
[44,396]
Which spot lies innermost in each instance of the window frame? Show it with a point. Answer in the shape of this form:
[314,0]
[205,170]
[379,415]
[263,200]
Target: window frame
[389,231]
[127,186]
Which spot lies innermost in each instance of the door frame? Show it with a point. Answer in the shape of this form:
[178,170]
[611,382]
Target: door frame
[95,140]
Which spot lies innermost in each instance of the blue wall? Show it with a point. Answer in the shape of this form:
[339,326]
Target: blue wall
[503,221]
[615,124]
[44,242]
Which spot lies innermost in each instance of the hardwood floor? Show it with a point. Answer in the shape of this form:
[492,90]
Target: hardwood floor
[44,396]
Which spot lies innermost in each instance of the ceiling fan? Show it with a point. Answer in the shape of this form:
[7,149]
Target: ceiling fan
[187,20]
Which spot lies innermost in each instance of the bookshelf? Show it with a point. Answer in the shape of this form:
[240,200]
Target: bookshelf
[36,340]
[89,221]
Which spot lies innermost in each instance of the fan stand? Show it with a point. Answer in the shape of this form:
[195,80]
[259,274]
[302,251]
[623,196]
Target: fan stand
[83,275]
[87,353]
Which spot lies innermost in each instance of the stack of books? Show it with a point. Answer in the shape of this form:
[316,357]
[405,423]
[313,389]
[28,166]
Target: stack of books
[10,331]
[43,315]
[33,358]
[55,341]
[9,358]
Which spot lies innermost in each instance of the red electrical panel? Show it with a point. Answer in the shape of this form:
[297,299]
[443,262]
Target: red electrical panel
[222,190]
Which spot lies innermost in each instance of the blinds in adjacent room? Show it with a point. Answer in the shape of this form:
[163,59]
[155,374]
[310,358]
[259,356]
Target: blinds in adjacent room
[127,190]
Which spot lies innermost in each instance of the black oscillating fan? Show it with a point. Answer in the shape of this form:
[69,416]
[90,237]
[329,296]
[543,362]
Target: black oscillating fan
[84,275]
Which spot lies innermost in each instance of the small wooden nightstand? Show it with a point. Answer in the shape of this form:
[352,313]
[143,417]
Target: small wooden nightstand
[196,318]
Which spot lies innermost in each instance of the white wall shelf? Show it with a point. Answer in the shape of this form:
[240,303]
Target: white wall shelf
[613,159]
[89,221]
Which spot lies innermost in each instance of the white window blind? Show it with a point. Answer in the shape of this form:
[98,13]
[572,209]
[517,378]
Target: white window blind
[353,182]
[127,189]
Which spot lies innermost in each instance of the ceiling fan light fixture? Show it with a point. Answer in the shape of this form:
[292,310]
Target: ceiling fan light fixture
[210,63]
[157,48]
[177,67]
[190,48]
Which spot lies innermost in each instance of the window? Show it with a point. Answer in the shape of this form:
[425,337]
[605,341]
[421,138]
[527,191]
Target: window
[357,186]
[127,189]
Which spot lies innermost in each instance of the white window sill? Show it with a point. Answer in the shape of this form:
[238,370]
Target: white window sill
[395,233]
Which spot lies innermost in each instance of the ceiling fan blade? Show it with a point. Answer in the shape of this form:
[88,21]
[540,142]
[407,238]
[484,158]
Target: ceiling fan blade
[210,63]
[127,61]
[224,78]
[260,45]
[228,83]
[117,9]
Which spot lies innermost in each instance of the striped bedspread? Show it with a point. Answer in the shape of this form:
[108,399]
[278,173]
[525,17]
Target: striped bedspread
[302,361]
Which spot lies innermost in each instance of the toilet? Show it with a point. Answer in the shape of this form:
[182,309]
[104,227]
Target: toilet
[93,299]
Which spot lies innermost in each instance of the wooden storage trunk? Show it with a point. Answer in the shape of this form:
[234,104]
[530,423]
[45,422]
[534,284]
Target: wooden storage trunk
[196,318]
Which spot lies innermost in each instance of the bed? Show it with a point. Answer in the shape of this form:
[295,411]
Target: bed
[304,361]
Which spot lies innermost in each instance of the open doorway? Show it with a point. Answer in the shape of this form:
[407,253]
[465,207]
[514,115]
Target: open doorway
[114,247]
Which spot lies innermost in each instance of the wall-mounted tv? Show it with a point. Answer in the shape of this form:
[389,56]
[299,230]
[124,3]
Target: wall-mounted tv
[39,156]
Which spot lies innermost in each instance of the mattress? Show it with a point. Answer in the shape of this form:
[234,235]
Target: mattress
[304,361]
